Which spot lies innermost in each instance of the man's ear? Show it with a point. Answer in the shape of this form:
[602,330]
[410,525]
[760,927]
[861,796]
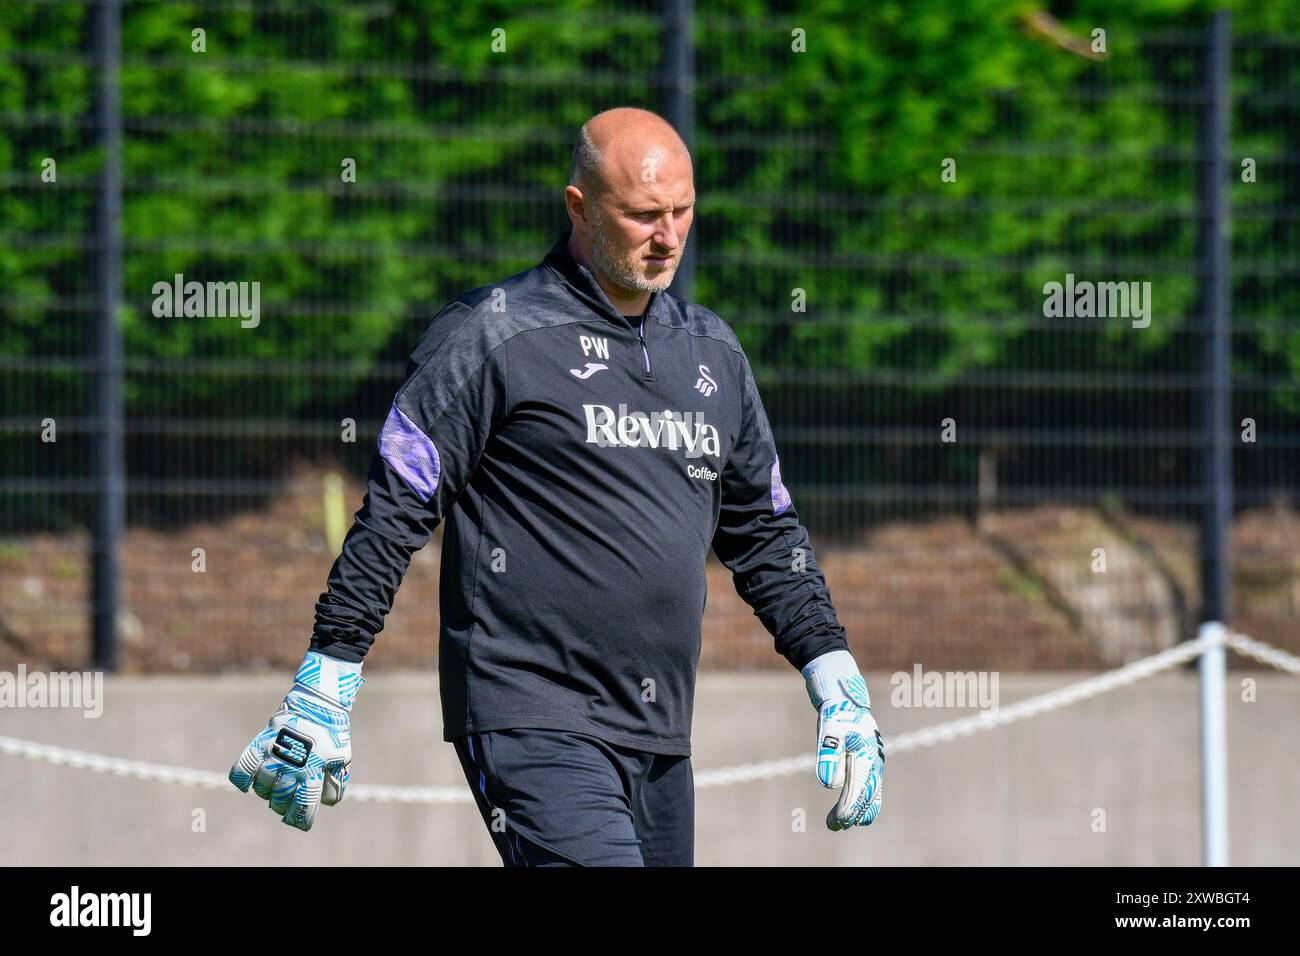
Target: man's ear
[576,204]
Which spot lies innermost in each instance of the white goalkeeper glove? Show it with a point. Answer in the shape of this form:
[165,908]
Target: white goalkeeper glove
[850,751]
[301,759]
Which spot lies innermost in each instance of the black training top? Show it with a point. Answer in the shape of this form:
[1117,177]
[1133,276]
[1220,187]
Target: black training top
[584,464]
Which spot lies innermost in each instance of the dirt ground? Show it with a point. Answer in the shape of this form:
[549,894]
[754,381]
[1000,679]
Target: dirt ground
[1024,590]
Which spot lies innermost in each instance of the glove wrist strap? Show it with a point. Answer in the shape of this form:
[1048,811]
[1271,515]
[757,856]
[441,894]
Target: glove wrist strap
[823,674]
[330,678]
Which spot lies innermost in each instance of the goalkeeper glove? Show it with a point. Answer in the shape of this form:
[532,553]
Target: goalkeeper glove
[850,751]
[301,759]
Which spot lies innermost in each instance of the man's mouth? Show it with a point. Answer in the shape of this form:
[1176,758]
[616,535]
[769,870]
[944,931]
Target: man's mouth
[659,259]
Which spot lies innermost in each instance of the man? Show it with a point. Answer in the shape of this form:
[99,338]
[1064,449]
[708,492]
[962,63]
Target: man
[587,437]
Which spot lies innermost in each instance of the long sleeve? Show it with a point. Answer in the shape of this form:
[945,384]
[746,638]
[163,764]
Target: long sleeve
[760,539]
[452,400]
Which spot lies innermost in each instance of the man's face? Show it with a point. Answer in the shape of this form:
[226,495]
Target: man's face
[638,227]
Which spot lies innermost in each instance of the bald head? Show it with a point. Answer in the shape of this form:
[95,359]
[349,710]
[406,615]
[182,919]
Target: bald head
[630,197]
[619,142]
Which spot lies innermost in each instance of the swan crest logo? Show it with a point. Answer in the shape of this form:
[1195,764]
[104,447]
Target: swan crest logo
[705,384]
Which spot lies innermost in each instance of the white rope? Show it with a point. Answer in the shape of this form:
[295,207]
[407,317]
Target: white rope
[965,726]
[767,770]
[208,779]
[1264,653]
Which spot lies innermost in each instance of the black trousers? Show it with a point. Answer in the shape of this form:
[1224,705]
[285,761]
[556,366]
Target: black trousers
[559,798]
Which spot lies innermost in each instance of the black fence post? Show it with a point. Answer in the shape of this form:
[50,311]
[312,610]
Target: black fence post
[678,86]
[109,505]
[1215,299]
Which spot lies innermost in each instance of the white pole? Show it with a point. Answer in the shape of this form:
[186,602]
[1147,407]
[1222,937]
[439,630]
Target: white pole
[1214,748]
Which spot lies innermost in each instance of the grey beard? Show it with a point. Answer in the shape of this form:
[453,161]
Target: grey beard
[618,270]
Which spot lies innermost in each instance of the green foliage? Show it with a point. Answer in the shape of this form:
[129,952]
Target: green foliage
[232,161]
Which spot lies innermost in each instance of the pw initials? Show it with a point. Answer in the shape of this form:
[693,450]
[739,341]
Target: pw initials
[590,344]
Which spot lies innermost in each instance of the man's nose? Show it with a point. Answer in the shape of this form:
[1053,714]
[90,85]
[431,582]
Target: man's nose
[666,236]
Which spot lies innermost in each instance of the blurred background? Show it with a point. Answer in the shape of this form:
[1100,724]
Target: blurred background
[883,192]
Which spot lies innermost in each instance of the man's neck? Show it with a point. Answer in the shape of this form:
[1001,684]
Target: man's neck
[633,305]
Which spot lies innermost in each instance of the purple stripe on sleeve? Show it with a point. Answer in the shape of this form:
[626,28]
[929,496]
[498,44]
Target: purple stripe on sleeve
[780,497]
[410,453]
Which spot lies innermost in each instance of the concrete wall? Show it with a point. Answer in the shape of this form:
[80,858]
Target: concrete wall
[1021,795]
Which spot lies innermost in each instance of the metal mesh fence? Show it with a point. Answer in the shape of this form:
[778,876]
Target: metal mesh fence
[879,233]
